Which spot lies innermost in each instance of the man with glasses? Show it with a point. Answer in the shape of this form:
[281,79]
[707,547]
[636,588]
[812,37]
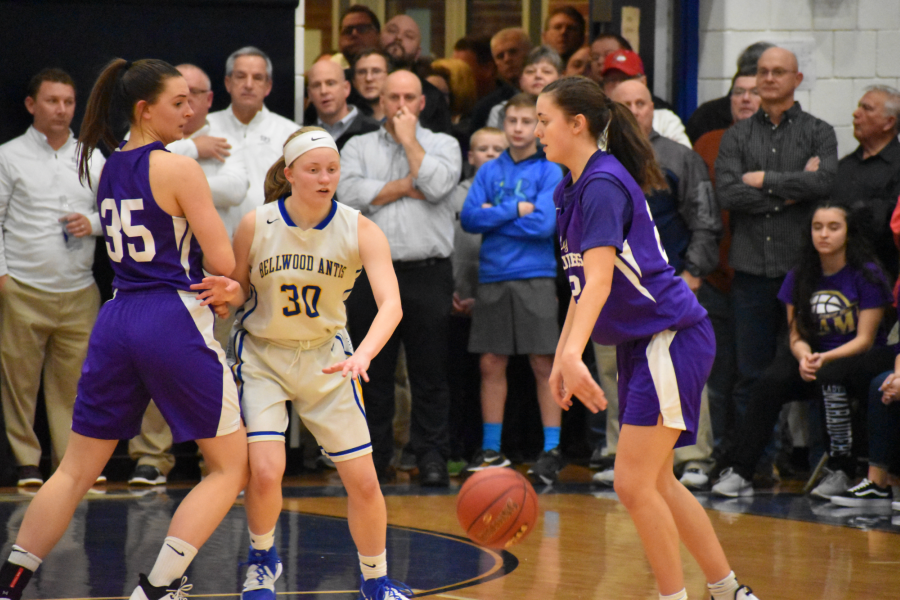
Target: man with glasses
[771,169]
[360,30]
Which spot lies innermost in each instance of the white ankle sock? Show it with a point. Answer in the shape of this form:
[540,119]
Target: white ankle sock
[23,558]
[373,567]
[262,541]
[172,562]
[725,589]
[682,595]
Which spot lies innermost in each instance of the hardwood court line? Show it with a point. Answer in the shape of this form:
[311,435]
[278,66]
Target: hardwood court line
[499,560]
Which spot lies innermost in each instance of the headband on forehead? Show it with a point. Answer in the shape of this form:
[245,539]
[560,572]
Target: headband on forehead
[305,142]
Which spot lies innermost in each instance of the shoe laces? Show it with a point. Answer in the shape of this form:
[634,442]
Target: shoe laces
[861,485]
[179,593]
[261,564]
[384,589]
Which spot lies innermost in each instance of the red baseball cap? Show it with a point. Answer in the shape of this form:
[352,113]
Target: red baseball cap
[623,60]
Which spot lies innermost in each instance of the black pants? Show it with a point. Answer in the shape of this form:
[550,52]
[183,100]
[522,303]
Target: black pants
[836,383]
[426,295]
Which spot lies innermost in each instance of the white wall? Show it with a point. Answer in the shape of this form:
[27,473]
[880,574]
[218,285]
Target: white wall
[857,44]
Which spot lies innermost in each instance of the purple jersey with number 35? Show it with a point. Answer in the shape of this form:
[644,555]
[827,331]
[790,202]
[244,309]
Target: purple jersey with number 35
[148,248]
[606,207]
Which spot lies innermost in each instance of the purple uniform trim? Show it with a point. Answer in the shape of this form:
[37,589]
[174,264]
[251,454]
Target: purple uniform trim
[643,374]
[147,345]
[148,248]
[646,296]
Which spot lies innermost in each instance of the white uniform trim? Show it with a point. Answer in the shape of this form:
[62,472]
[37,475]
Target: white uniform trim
[662,371]
[230,416]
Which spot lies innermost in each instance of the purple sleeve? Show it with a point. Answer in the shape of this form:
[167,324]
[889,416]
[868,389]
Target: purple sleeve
[870,294]
[606,211]
[786,293]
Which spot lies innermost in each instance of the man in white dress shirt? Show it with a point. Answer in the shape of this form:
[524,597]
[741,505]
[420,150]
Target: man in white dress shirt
[48,298]
[402,177]
[259,132]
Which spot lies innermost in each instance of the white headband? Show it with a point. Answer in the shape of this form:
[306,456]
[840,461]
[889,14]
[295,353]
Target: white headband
[305,142]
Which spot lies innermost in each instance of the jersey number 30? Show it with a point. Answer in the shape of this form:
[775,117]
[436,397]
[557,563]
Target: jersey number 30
[309,294]
[120,225]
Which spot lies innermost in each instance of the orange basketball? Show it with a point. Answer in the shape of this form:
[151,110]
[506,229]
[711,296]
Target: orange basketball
[497,508]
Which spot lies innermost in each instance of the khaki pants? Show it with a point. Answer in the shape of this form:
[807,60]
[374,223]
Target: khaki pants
[42,332]
[701,452]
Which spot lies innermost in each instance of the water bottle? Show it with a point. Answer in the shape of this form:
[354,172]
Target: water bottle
[72,243]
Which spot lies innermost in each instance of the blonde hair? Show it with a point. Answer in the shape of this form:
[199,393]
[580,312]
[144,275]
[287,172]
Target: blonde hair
[462,85]
[486,131]
[277,184]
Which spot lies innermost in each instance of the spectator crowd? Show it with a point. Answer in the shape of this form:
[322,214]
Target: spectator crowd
[792,251]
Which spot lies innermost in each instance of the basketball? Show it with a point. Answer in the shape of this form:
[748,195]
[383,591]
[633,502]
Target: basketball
[497,508]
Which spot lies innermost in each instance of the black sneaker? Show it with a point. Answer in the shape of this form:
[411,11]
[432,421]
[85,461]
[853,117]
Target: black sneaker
[146,475]
[433,473]
[865,494]
[30,476]
[487,459]
[546,469]
[177,590]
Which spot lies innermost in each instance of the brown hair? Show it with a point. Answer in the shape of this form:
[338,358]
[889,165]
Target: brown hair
[52,74]
[118,89]
[463,94]
[276,184]
[521,100]
[577,95]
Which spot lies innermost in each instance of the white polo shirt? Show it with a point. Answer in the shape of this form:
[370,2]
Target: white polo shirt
[228,181]
[262,141]
[33,180]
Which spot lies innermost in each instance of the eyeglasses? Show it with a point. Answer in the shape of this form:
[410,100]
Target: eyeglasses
[360,29]
[196,92]
[739,92]
[776,73]
[374,72]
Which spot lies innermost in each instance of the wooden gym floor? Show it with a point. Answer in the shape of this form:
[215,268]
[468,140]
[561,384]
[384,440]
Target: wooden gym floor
[584,546]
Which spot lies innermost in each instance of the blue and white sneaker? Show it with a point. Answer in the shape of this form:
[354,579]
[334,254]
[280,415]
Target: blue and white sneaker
[264,568]
[383,588]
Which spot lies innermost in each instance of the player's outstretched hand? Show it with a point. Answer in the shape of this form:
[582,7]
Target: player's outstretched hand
[356,365]
[577,381]
[217,290]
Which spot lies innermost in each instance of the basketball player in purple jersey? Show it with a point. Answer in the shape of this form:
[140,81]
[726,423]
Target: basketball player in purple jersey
[153,339]
[624,293]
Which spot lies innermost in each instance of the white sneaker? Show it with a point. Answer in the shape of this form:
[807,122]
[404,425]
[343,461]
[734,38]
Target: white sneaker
[732,485]
[834,483]
[694,478]
[263,569]
[177,590]
[744,593]
[605,477]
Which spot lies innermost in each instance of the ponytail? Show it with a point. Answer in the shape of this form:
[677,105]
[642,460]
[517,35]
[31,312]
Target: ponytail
[117,90]
[277,185]
[612,123]
[631,147]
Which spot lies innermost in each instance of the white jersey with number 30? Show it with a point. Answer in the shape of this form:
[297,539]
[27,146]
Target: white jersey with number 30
[299,278]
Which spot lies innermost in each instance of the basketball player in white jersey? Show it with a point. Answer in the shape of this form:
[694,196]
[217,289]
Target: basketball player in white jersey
[297,259]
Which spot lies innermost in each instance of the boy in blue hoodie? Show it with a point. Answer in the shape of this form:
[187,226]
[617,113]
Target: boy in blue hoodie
[511,204]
